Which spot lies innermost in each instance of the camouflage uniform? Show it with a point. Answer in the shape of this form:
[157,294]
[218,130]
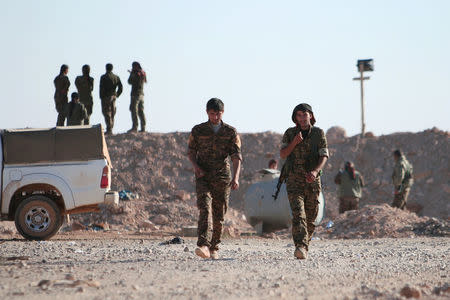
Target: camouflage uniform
[402,177]
[349,190]
[62,85]
[110,89]
[85,85]
[137,99]
[76,113]
[213,189]
[303,196]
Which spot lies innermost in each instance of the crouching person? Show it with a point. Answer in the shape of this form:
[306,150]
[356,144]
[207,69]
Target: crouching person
[209,147]
[75,111]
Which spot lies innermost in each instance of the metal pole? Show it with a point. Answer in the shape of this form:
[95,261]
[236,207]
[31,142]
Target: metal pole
[363,125]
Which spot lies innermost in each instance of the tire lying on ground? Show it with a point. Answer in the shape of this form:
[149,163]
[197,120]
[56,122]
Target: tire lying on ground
[38,218]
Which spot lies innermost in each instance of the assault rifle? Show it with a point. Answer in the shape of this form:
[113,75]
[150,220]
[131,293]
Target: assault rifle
[283,176]
[281,179]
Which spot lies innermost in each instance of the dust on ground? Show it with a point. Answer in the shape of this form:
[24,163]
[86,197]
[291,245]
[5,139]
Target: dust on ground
[103,266]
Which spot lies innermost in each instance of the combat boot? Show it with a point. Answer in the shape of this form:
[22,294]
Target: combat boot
[214,254]
[142,129]
[301,253]
[132,130]
[203,252]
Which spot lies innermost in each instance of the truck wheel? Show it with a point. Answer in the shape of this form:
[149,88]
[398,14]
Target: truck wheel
[37,218]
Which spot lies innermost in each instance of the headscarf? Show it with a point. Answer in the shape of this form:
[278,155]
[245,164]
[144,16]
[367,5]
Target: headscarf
[140,72]
[303,107]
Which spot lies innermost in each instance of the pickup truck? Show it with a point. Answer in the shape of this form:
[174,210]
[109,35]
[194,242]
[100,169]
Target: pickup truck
[46,174]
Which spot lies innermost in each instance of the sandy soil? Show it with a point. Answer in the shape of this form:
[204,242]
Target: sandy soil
[105,265]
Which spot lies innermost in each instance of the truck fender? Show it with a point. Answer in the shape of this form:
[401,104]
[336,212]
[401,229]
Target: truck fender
[38,178]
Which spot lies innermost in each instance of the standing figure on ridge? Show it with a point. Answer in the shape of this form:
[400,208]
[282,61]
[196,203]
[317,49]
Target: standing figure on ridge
[62,85]
[85,85]
[402,177]
[137,80]
[110,90]
[305,149]
[350,183]
[210,146]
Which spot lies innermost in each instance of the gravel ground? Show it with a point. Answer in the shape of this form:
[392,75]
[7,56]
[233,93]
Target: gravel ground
[133,267]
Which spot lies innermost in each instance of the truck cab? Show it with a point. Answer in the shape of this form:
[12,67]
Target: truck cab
[49,173]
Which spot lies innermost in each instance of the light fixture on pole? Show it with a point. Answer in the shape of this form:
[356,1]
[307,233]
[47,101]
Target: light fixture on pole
[363,65]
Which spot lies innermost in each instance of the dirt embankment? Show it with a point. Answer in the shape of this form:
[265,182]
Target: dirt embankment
[155,167]
[428,151]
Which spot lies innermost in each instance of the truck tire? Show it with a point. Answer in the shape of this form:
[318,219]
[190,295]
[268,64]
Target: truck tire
[37,218]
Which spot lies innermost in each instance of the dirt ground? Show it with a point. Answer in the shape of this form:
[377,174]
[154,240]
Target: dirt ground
[106,265]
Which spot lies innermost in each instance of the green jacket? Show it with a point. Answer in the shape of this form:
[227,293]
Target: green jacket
[75,113]
[305,156]
[110,85]
[212,150]
[347,186]
[62,85]
[85,85]
[137,84]
[402,176]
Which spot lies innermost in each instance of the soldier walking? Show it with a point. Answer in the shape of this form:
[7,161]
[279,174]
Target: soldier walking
[75,111]
[305,149]
[137,80]
[209,147]
[350,183]
[402,177]
[110,90]
[62,85]
[85,85]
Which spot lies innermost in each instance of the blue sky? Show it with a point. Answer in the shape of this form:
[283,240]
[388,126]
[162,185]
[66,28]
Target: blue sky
[260,57]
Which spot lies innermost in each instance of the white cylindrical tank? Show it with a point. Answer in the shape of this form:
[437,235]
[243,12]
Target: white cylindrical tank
[261,209]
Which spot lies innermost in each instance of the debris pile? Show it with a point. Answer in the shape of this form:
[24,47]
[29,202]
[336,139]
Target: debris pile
[432,227]
[69,282]
[379,221]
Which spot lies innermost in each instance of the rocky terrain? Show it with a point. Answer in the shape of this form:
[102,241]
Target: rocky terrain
[101,266]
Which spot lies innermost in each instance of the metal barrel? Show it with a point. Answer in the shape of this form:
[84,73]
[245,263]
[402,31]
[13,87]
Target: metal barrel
[261,209]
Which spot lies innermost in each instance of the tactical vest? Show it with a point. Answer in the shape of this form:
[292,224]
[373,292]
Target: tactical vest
[312,159]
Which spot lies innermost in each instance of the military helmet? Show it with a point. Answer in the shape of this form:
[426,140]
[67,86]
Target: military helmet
[303,107]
